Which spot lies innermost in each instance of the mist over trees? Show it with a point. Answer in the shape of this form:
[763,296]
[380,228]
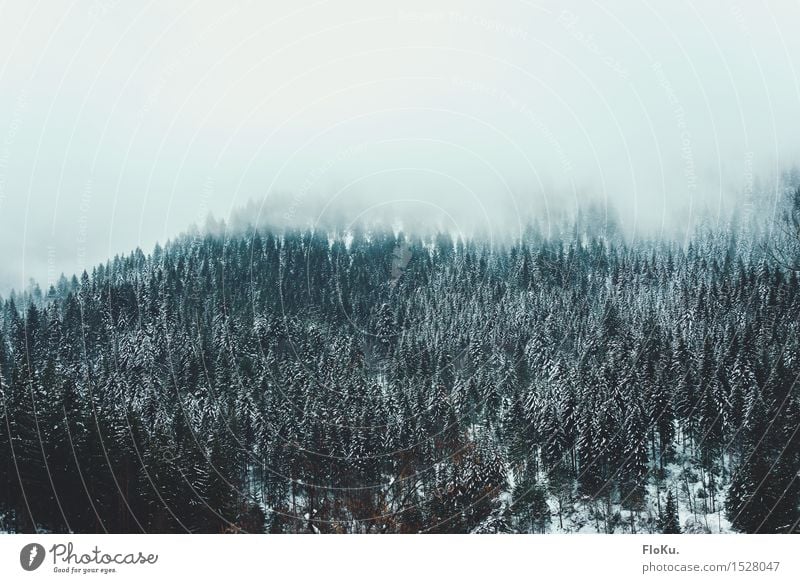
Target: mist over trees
[377,382]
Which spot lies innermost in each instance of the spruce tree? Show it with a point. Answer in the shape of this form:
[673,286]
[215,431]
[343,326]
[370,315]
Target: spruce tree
[669,522]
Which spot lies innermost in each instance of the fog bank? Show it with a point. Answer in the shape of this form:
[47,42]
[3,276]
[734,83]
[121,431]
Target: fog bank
[123,124]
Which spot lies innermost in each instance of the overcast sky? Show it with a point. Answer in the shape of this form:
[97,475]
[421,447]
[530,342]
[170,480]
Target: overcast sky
[122,123]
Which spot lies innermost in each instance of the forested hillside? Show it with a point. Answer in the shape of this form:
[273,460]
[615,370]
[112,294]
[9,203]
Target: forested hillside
[384,383]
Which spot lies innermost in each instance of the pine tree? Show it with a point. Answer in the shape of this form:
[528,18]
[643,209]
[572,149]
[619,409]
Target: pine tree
[529,505]
[668,521]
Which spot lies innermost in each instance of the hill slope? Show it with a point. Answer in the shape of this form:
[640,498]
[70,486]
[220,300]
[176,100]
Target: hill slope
[375,383]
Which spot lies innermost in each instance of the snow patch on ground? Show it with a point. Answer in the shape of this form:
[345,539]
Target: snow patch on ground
[698,511]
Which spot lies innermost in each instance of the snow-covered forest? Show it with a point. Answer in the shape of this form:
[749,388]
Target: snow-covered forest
[376,382]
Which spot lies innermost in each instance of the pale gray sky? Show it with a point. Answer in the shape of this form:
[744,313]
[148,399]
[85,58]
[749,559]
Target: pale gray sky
[121,123]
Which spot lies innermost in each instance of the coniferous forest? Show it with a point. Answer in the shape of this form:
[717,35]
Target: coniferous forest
[380,382]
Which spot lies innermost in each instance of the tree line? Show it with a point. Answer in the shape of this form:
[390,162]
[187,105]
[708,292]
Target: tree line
[384,383]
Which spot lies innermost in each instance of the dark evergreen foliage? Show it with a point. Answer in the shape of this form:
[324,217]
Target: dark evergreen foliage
[669,522]
[311,383]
